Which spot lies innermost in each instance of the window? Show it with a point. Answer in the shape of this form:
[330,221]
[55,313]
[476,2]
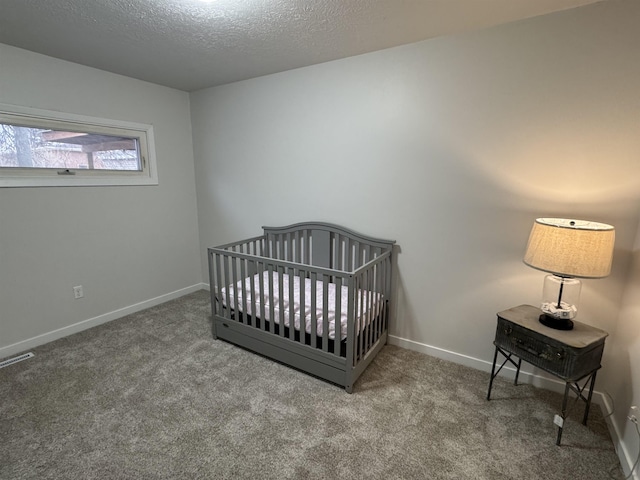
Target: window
[43,148]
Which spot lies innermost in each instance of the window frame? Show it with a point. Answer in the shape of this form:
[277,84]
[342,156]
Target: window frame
[50,177]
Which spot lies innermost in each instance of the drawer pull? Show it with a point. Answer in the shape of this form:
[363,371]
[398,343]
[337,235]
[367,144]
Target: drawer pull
[523,346]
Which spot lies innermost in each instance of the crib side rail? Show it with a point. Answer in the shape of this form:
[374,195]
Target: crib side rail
[371,304]
[251,246]
[270,295]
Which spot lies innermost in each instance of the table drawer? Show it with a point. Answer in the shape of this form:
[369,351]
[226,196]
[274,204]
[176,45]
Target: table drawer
[543,352]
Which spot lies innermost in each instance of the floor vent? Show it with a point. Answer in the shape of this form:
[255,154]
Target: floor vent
[17,359]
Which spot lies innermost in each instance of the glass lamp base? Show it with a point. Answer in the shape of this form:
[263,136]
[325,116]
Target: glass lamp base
[555,322]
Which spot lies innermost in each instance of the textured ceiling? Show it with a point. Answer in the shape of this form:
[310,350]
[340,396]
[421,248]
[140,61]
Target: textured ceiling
[192,44]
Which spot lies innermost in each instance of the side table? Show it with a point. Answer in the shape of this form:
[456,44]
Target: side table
[571,355]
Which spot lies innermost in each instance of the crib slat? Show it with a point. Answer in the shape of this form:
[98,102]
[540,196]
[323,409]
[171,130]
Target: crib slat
[280,275]
[227,285]
[334,252]
[292,247]
[363,319]
[292,311]
[325,309]
[234,288]
[372,303]
[353,311]
[361,327]
[367,316]
[272,318]
[314,310]
[261,270]
[379,299]
[365,311]
[383,295]
[370,307]
[243,289]
[387,293]
[212,287]
[218,287]
[356,254]
[252,288]
[302,309]
[351,332]
[348,255]
[338,319]
[309,249]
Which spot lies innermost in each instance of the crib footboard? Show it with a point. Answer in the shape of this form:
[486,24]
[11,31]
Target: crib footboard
[313,296]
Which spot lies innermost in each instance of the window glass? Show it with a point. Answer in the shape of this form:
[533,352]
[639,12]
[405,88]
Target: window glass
[38,149]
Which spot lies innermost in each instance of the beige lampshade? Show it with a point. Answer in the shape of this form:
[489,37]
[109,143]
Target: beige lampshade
[571,248]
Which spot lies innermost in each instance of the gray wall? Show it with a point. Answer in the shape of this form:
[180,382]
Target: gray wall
[451,146]
[125,245]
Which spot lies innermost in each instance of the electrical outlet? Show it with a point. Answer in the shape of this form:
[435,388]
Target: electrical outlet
[77,292]
[633,414]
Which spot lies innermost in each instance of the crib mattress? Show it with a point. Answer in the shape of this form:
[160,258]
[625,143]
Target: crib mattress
[368,304]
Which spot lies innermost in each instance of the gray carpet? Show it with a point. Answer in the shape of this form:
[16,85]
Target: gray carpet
[153,396]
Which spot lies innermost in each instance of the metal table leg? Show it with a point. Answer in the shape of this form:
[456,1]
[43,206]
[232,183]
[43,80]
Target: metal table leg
[515,382]
[591,381]
[494,372]
[564,411]
[493,375]
[586,409]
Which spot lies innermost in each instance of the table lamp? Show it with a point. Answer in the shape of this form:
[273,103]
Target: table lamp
[568,250]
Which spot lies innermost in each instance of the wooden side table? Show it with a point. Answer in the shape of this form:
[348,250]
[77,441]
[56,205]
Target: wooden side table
[571,355]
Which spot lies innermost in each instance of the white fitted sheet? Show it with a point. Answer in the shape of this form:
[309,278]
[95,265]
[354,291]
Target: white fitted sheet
[368,304]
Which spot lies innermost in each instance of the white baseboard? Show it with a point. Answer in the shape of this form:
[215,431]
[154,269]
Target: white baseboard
[541,381]
[33,342]
[624,455]
[626,459]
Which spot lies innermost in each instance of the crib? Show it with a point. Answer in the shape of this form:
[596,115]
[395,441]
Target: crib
[314,296]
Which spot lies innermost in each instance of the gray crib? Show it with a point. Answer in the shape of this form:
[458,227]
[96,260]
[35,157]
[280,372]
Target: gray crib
[313,295]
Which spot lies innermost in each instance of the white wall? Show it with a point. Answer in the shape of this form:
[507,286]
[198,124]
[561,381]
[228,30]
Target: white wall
[125,245]
[625,361]
[451,146]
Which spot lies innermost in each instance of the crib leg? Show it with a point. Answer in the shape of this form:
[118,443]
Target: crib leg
[348,388]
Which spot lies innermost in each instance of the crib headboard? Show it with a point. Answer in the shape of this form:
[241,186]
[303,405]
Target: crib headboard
[323,245]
